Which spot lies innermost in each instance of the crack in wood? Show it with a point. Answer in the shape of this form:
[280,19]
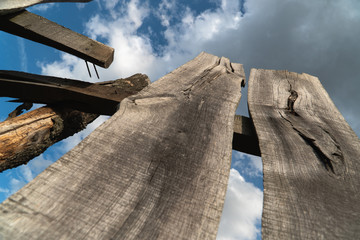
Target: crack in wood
[324,146]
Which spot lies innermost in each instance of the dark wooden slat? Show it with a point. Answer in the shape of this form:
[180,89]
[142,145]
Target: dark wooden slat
[39,29]
[8,6]
[27,136]
[79,95]
[245,139]
[310,157]
[157,169]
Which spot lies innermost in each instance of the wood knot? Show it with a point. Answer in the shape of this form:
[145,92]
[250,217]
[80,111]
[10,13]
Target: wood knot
[291,100]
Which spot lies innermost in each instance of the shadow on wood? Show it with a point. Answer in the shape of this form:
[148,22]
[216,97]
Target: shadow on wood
[310,157]
[27,136]
[157,169]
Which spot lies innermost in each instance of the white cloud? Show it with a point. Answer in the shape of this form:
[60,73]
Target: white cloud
[242,210]
[249,164]
[42,7]
[22,54]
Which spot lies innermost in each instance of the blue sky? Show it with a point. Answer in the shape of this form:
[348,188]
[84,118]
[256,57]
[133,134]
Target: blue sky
[154,37]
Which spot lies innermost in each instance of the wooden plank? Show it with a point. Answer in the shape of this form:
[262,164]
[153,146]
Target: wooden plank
[79,95]
[8,6]
[310,157]
[41,30]
[245,138]
[24,137]
[157,169]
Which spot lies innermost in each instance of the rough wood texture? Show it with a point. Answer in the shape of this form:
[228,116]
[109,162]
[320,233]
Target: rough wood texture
[41,30]
[310,157]
[157,169]
[8,6]
[27,136]
[245,139]
[84,96]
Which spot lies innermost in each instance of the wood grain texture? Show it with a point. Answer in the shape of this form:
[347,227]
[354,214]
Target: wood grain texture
[310,157]
[8,6]
[24,137]
[100,98]
[157,169]
[36,28]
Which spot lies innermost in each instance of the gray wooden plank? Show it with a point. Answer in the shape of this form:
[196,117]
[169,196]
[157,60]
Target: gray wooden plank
[310,157]
[44,31]
[157,169]
[9,6]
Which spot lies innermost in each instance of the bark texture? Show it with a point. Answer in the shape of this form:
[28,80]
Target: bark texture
[24,137]
[311,159]
[157,169]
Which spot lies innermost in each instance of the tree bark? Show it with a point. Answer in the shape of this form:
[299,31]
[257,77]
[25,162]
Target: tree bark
[24,137]
[157,169]
[310,157]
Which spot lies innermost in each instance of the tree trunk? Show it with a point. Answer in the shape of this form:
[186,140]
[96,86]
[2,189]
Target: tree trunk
[310,157]
[157,169]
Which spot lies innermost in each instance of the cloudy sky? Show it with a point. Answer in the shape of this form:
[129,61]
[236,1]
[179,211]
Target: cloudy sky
[318,37]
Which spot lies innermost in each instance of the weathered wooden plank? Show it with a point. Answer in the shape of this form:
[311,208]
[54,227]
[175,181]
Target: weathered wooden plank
[157,169]
[84,96]
[42,30]
[27,136]
[310,157]
[245,139]
[8,6]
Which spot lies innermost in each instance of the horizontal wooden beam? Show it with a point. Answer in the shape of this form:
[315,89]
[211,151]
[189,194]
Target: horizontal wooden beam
[36,28]
[8,6]
[245,138]
[27,136]
[83,96]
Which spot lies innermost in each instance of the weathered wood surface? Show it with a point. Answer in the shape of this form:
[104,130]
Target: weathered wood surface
[311,159]
[84,96]
[27,136]
[44,31]
[8,6]
[245,139]
[157,169]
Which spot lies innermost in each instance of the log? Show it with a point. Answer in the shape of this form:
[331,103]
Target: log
[157,169]
[36,28]
[79,95]
[9,6]
[24,137]
[310,158]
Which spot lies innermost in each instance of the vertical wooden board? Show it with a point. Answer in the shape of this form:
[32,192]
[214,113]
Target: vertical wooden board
[310,156]
[157,169]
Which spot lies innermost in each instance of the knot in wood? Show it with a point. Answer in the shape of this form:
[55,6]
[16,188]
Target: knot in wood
[291,100]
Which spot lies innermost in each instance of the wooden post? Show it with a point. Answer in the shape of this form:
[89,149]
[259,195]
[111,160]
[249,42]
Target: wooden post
[157,169]
[310,157]
[27,136]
